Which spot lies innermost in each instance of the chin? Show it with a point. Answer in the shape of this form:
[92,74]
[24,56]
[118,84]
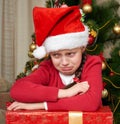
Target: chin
[67,73]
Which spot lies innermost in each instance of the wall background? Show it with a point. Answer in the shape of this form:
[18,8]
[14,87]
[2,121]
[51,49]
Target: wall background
[25,28]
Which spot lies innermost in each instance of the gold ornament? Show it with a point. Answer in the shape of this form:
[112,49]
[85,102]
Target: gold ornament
[32,46]
[87,8]
[104,93]
[116,29]
[103,66]
[46,56]
[93,33]
[30,54]
[119,52]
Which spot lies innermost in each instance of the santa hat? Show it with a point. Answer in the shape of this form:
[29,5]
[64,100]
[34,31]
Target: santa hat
[58,29]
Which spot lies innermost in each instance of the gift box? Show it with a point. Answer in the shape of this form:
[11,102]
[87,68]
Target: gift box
[102,116]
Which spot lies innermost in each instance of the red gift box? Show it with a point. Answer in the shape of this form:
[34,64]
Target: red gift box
[102,116]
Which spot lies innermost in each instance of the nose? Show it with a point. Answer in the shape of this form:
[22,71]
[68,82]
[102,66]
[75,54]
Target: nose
[64,61]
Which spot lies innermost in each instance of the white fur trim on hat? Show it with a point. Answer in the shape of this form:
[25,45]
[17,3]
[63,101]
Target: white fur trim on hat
[39,52]
[66,41]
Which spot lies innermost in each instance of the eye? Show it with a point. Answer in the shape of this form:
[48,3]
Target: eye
[55,55]
[71,54]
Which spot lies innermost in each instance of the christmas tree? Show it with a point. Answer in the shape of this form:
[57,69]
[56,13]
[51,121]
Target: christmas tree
[104,25]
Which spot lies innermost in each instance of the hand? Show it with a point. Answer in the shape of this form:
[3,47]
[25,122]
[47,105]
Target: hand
[29,106]
[78,88]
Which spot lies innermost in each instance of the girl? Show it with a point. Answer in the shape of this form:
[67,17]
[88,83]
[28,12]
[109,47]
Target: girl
[70,79]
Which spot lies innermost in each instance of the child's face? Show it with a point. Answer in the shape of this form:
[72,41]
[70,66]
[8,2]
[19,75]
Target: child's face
[67,61]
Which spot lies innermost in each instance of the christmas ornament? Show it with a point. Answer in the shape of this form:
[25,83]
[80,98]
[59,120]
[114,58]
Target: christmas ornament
[91,40]
[93,33]
[32,46]
[87,8]
[104,93]
[30,54]
[86,2]
[116,29]
[103,65]
[119,53]
[111,73]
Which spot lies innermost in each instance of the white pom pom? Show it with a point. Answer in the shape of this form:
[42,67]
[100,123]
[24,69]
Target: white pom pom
[39,52]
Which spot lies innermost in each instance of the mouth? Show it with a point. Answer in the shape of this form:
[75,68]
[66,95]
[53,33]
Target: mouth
[66,69]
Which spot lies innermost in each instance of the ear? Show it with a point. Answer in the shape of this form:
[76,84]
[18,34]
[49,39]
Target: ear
[83,49]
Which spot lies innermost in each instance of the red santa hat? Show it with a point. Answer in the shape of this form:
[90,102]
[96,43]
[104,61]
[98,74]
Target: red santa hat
[58,29]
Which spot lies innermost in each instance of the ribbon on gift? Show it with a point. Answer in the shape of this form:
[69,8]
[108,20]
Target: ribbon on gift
[75,117]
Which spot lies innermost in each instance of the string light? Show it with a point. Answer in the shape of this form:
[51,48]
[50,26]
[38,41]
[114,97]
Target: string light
[116,106]
[111,83]
[111,69]
[91,50]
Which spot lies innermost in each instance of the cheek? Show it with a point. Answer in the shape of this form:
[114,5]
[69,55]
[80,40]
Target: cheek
[77,61]
[56,62]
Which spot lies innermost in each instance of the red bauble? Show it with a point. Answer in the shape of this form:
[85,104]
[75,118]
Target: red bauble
[87,2]
[91,40]
[111,73]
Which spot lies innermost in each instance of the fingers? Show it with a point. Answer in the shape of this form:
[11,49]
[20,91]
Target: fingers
[84,86]
[15,106]
[28,106]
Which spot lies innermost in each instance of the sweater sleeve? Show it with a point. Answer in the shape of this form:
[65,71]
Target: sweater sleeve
[35,87]
[91,100]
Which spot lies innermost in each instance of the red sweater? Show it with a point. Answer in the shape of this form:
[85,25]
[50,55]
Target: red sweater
[43,85]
